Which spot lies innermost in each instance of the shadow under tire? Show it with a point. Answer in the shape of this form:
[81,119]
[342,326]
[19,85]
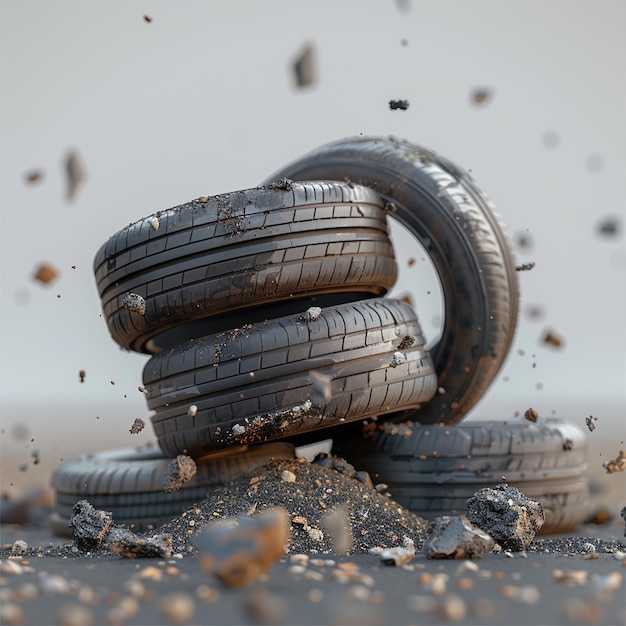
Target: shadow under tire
[289,375]
[443,208]
[433,469]
[184,272]
[128,482]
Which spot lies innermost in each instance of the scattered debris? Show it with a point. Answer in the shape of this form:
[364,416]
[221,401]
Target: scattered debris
[238,430]
[81,375]
[525,267]
[93,530]
[507,515]
[311,314]
[180,471]
[192,410]
[134,302]
[239,551]
[284,184]
[531,415]
[304,67]
[141,389]
[481,96]
[402,105]
[551,339]
[321,387]
[33,176]
[137,427]
[591,423]
[154,222]
[619,465]
[45,273]
[397,359]
[74,172]
[455,537]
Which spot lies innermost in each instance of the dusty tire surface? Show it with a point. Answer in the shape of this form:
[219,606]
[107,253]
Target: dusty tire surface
[129,482]
[432,470]
[443,208]
[255,383]
[256,248]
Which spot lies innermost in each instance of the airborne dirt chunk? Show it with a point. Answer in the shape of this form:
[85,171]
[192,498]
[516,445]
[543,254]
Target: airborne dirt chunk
[239,551]
[304,67]
[507,515]
[531,415]
[591,423]
[619,465]
[137,427]
[180,471]
[45,273]
[75,173]
[453,537]
[402,105]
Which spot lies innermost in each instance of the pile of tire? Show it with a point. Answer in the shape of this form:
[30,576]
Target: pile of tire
[265,316]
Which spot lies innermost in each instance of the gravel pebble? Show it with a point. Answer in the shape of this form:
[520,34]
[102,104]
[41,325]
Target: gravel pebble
[178,607]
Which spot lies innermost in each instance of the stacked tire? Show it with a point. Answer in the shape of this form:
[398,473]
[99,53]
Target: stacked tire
[264,314]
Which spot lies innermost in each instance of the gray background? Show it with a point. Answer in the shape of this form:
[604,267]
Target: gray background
[202,100]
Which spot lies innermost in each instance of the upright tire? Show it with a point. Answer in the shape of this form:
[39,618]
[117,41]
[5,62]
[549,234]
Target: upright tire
[289,375]
[433,470]
[194,269]
[457,224]
[128,482]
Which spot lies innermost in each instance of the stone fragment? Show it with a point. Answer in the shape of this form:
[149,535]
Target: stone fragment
[618,465]
[137,427]
[305,66]
[75,615]
[531,415]
[179,607]
[134,302]
[239,551]
[452,537]
[19,548]
[93,529]
[507,515]
[311,314]
[398,556]
[180,471]
[45,273]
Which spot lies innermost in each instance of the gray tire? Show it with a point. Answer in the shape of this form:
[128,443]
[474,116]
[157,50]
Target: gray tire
[129,483]
[433,470]
[255,383]
[458,226]
[193,269]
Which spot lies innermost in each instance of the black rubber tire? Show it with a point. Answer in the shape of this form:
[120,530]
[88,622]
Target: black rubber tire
[255,384]
[457,224]
[129,483]
[432,470]
[252,248]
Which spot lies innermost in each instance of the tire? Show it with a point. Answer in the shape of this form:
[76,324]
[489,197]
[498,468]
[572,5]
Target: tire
[457,224]
[129,483]
[433,470]
[255,383]
[214,257]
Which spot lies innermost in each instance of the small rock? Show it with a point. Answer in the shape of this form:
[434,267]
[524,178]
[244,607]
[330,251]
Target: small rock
[75,615]
[591,423]
[11,613]
[571,577]
[397,359]
[304,67]
[137,427]
[19,548]
[178,607]
[525,267]
[507,515]
[192,410]
[531,415]
[54,585]
[89,526]
[315,534]
[45,273]
[311,314]
[239,551]
[402,105]
[456,538]
[134,302]
[266,608]
[288,477]
[619,465]
[10,568]
[552,339]
[238,429]
[397,556]
[75,173]
[452,608]
[180,471]
[154,222]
